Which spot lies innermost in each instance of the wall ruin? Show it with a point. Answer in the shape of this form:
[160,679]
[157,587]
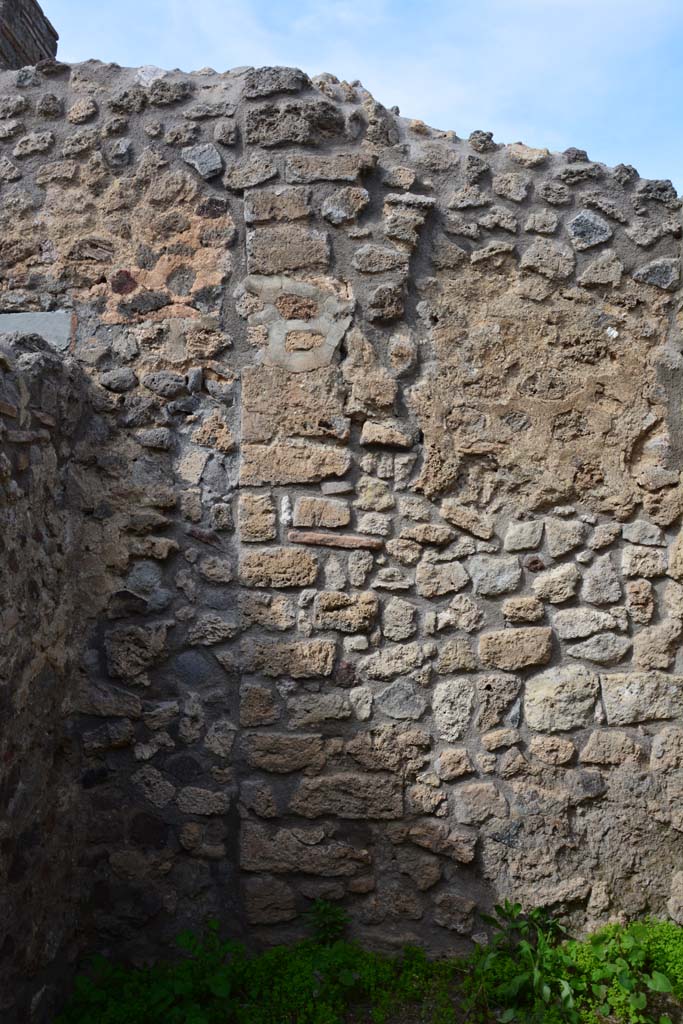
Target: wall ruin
[342,550]
[26,35]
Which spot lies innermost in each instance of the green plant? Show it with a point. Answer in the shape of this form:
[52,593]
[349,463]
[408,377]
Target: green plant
[318,981]
[620,972]
[326,922]
[522,973]
[529,973]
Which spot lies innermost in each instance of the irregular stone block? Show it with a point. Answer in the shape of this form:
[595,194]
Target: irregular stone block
[494,574]
[300,169]
[279,204]
[604,649]
[300,659]
[563,536]
[643,561]
[601,583]
[455,656]
[641,697]
[283,753]
[398,619]
[298,462]
[313,709]
[345,205]
[523,609]
[286,851]
[574,623]
[587,229]
[280,248]
[656,647]
[206,802]
[667,750]
[349,541]
[467,518]
[516,648]
[268,81]
[476,802]
[268,901]
[452,702]
[278,403]
[131,650]
[395,660]
[454,911]
[348,613]
[610,747]
[496,693]
[278,567]
[561,699]
[558,584]
[389,433]
[348,795]
[552,261]
[327,513]
[257,518]
[662,273]
[434,579]
[205,159]
[252,170]
[523,536]
[307,124]
[401,700]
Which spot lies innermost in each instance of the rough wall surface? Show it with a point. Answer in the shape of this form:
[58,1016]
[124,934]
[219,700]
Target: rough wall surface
[26,35]
[380,580]
[42,402]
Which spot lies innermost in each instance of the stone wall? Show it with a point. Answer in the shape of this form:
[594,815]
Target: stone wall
[43,398]
[380,583]
[26,35]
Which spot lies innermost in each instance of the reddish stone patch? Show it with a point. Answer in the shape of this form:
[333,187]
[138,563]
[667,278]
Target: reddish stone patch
[123,282]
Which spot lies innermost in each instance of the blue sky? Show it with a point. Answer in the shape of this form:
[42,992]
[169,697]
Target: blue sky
[604,75]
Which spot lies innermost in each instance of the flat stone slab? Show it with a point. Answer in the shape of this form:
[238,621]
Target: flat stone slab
[54,327]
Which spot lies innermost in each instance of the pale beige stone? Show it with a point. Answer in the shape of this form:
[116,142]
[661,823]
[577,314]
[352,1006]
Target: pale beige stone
[452,702]
[553,750]
[455,656]
[560,699]
[558,584]
[516,648]
[523,609]
[656,646]
[453,763]
[292,463]
[467,518]
[435,579]
[608,747]
[257,517]
[348,613]
[278,567]
[641,696]
[326,513]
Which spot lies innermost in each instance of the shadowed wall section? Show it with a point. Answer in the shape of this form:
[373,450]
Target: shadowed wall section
[355,560]
[26,35]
